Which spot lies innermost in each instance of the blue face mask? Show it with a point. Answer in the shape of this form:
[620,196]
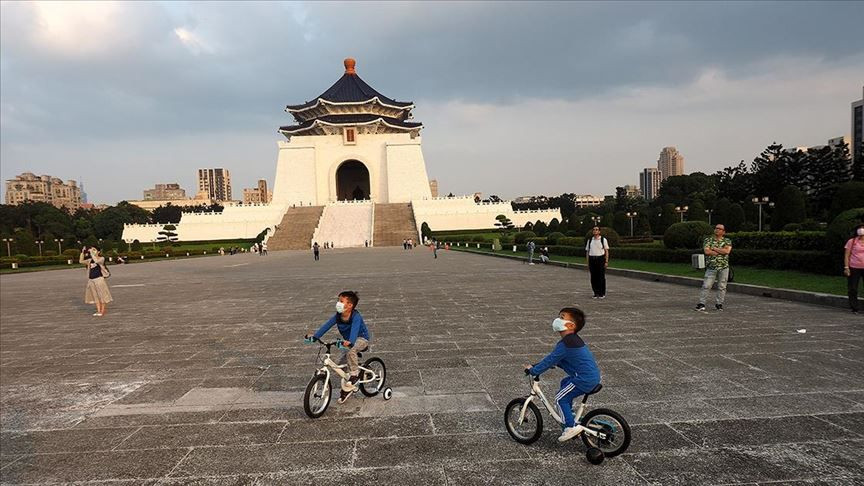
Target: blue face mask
[340,307]
[559,324]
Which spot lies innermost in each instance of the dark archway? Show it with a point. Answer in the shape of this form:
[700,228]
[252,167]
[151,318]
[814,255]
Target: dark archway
[352,181]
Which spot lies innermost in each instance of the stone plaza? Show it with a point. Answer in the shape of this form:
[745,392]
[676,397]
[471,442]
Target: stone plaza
[196,376]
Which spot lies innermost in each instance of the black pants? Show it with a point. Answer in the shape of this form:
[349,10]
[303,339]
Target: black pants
[855,274]
[597,267]
[316,255]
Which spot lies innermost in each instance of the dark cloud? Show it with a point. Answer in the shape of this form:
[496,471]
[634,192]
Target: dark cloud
[149,72]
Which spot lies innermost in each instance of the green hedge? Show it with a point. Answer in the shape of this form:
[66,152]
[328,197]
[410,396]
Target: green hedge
[779,240]
[805,261]
[688,234]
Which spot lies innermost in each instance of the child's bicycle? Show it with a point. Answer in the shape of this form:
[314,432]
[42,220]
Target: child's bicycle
[604,429]
[318,391]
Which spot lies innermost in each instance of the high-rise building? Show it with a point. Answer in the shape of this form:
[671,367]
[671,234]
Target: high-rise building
[258,194]
[670,163]
[587,200]
[214,184]
[164,192]
[433,186]
[858,127]
[44,188]
[631,190]
[649,182]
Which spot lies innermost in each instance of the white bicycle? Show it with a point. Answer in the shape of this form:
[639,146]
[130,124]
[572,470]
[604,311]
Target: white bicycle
[373,374]
[604,429]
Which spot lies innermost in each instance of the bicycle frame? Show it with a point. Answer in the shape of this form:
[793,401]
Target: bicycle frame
[536,392]
[329,365]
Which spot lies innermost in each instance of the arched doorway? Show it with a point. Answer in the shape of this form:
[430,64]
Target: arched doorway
[352,181]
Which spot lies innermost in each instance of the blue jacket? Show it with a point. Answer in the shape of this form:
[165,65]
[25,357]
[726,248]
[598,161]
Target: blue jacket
[572,355]
[350,331]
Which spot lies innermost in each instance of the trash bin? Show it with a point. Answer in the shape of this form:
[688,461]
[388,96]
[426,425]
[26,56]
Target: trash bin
[697,260]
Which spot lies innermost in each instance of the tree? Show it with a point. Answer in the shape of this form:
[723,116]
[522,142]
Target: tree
[790,208]
[425,231]
[735,220]
[168,233]
[696,211]
[167,214]
[642,225]
[849,195]
[540,228]
[554,225]
[503,223]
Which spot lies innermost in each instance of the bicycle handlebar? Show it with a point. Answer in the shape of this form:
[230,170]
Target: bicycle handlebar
[319,341]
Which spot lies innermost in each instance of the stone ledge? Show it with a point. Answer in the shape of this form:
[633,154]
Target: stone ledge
[757,290]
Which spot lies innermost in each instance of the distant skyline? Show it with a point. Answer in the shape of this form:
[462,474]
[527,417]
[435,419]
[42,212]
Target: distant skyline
[516,98]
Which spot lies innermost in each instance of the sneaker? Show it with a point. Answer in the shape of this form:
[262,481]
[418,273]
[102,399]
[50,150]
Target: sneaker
[98,314]
[570,432]
[595,297]
[532,263]
[700,307]
[719,307]
[344,395]
[602,297]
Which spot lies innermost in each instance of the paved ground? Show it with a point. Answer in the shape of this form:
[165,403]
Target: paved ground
[196,374]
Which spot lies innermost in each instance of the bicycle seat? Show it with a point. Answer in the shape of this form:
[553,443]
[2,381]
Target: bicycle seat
[595,389]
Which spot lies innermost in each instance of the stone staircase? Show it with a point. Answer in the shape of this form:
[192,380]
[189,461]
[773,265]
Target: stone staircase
[296,229]
[394,223]
[345,224]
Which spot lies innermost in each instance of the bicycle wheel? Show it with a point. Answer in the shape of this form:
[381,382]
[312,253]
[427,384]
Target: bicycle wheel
[372,388]
[612,424]
[530,429]
[317,396]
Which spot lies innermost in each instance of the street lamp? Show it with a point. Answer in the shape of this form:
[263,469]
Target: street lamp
[760,201]
[40,242]
[631,216]
[59,245]
[596,220]
[8,242]
[681,210]
[709,211]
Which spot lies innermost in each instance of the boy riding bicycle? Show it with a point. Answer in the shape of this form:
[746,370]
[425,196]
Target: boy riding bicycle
[355,337]
[572,355]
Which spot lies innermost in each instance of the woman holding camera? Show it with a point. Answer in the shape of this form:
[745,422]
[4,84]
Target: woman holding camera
[97,289]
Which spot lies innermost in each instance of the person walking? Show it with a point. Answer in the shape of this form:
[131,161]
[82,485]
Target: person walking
[717,249]
[97,291]
[597,258]
[435,249]
[263,248]
[316,250]
[853,265]
[531,247]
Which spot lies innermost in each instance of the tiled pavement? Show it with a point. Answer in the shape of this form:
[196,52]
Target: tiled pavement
[195,377]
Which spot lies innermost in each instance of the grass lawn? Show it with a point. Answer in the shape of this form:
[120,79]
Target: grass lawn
[778,279]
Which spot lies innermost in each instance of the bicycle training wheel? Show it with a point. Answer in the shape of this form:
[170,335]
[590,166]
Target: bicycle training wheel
[317,396]
[530,429]
[612,424]
[372,388]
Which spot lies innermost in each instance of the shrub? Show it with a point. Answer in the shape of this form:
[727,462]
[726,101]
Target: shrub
[167,250]
[552,238]
[72,252]
[610,234]
[538,240]
[136,246]
[522,236]
[689,234]
[636,240]
[49,253]
[792,227]
[780,240]
[839,232]
[571,241]
[21,257]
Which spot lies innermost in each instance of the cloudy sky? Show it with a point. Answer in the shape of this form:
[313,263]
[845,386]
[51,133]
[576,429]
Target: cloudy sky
[516,98]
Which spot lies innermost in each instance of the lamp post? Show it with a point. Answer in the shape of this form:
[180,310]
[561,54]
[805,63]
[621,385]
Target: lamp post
[40,242]
[129,245]
[709,211]
[596,220]
[681,210]
[761,201]
[631,216]
[59,242]
[8,242]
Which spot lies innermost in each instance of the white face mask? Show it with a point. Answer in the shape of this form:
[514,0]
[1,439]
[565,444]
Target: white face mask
[559,324]
[340,307]
[860,231]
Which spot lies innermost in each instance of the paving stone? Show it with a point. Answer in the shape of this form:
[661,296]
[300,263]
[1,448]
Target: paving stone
[741,432]
[64,440]
[174,436]
[64,468]
[218,382]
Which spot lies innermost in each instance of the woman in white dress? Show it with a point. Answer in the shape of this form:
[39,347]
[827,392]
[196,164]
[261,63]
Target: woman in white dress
[97,288]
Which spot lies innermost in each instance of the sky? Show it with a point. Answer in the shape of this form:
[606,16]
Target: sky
[516,98]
